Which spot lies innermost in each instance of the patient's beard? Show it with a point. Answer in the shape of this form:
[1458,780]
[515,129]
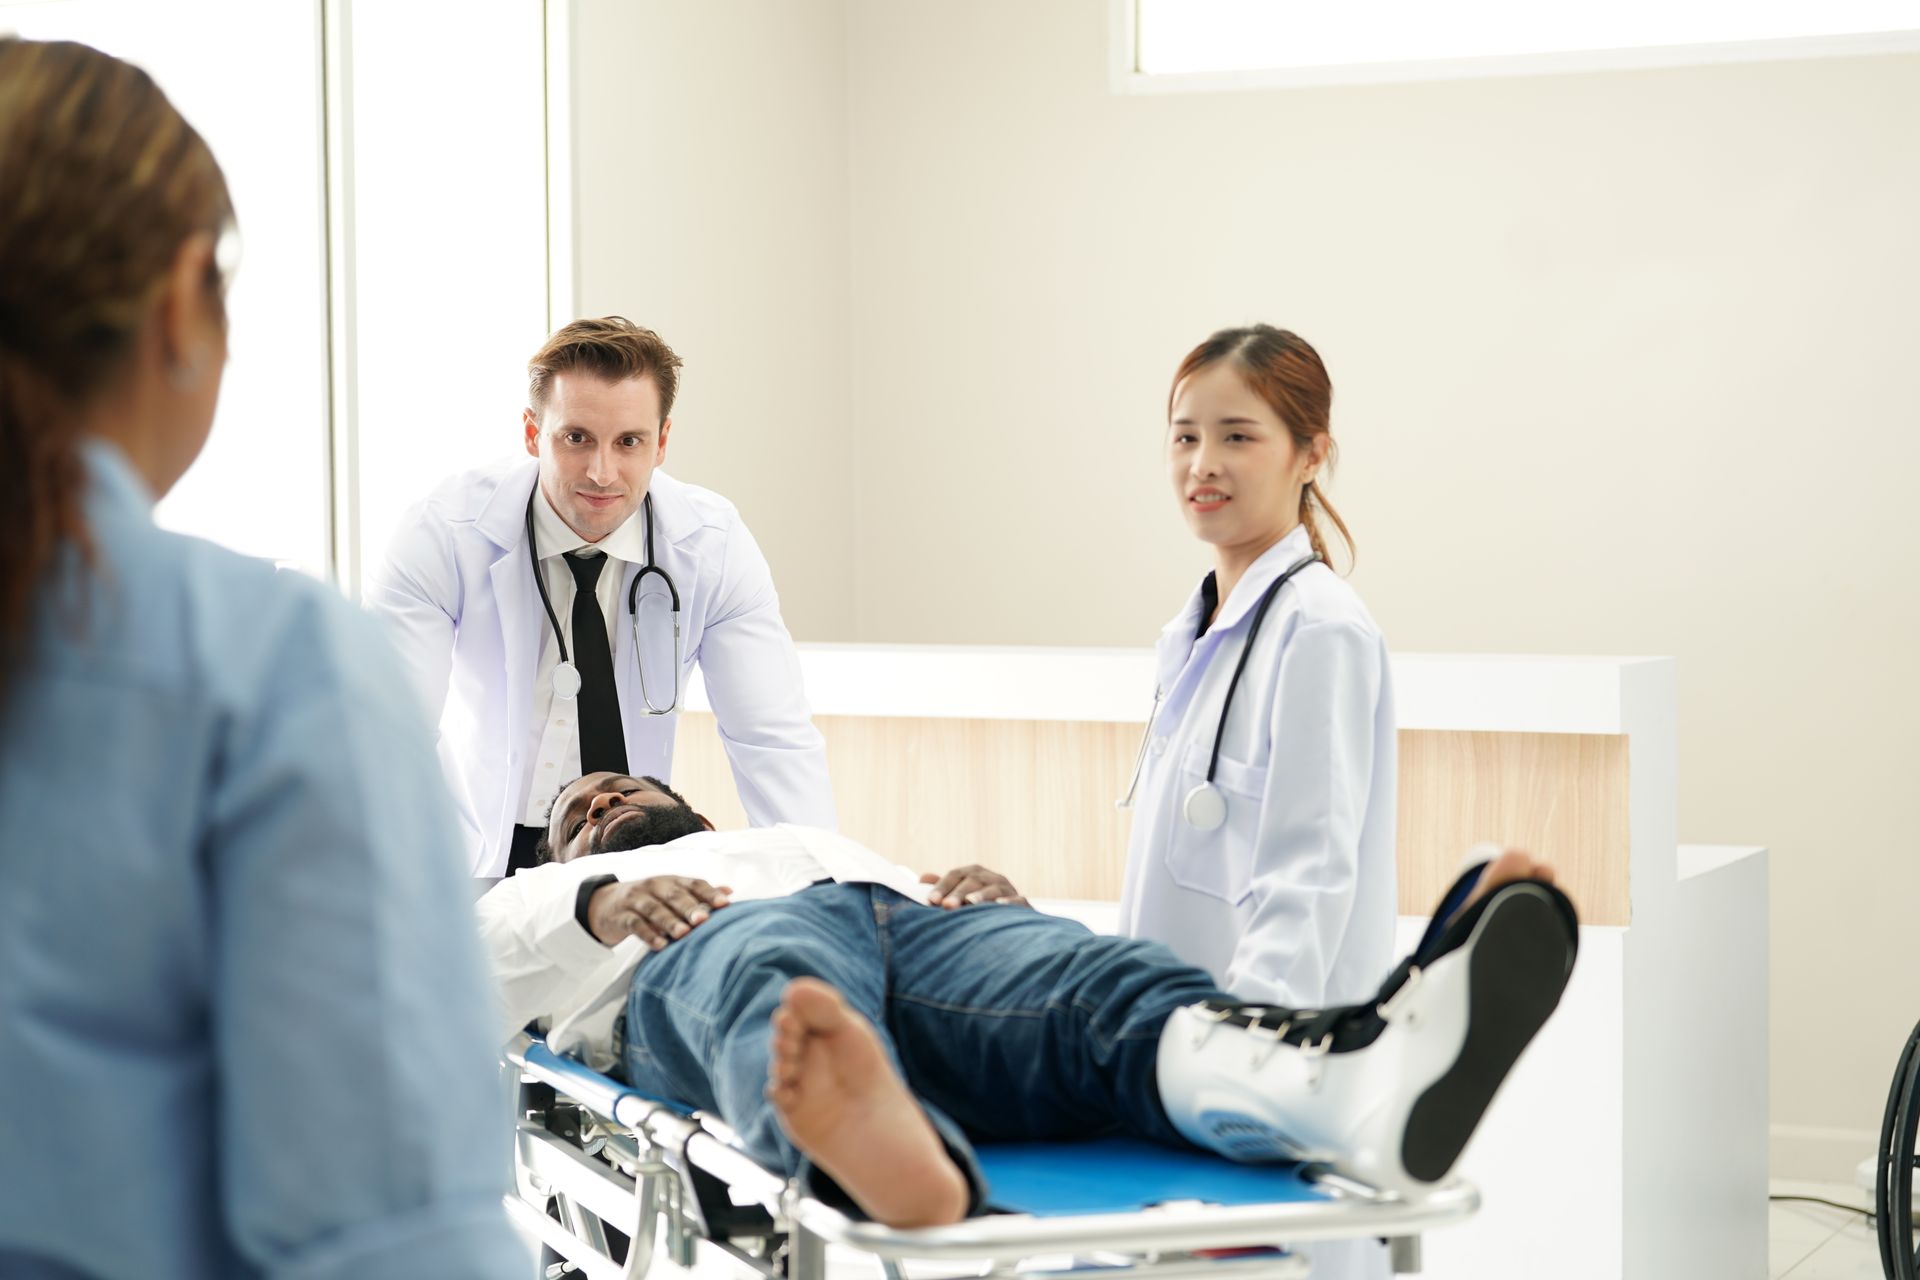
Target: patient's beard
[657,824]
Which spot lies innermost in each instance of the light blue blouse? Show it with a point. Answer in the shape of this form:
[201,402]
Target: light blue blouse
[244,1021]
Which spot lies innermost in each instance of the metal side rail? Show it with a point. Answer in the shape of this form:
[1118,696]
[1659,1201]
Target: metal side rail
[1161,1228]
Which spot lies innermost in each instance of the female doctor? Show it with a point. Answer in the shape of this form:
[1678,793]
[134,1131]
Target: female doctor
[1262,844]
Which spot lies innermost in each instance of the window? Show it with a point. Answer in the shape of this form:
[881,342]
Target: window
[449,247]
[247,76]
[417,174]
[1172,44]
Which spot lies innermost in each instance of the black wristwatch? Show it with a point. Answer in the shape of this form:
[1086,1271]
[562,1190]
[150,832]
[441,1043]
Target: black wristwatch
[584,896]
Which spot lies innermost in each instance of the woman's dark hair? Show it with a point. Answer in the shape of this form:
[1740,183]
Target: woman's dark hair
[103,182]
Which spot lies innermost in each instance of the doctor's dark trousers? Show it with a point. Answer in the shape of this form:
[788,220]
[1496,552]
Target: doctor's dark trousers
[1007,1024]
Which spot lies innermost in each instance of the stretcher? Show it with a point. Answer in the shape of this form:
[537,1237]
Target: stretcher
[608,1178]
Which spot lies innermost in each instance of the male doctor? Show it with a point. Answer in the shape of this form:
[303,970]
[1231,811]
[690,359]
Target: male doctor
[580,669]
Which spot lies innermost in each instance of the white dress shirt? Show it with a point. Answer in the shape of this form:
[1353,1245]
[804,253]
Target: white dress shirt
[554,727]
[548,967]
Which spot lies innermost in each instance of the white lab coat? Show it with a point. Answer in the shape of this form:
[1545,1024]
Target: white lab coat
[1293,900]
[458,593]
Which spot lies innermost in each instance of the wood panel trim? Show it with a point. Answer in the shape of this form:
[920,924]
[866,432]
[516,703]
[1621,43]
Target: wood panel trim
[1035,799]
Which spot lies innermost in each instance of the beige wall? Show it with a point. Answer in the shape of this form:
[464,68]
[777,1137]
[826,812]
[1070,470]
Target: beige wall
[1621,364]
[711,204]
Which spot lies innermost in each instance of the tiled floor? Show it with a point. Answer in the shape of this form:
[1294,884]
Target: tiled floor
[1813,1242]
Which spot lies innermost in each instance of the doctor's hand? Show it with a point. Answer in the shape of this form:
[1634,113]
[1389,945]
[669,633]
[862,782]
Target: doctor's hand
[656,910]
[971,886]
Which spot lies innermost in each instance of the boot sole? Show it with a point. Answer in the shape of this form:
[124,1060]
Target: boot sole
[1520,964]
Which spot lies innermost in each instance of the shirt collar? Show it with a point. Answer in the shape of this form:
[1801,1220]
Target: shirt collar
[555,537]
[114,476]
[1185,624]
[1275,561]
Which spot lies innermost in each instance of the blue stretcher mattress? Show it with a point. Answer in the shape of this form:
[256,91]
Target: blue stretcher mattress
[1122,1175]
[1047,1179]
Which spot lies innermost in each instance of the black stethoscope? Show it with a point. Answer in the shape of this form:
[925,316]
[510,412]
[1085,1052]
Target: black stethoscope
[566,676]
[1205,807]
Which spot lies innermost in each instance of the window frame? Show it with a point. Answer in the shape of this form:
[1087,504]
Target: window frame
[1126,77]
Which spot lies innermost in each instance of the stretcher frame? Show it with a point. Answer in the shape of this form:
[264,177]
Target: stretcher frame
[604,1155]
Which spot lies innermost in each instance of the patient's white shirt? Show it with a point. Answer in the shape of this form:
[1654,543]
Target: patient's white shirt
[548,967]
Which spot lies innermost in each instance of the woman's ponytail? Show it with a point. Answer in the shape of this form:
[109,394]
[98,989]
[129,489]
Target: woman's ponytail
[40,505]
[1311,497]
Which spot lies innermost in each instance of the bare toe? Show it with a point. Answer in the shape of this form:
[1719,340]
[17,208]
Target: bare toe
[1509,866]
[842,1103]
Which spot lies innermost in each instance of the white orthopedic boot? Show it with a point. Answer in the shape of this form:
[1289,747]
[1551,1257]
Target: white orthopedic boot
[1388,1091]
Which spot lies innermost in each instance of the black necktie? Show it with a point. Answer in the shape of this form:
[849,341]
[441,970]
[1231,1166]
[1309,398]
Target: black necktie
[603,745]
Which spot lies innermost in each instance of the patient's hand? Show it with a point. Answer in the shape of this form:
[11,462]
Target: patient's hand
[970,886]
[655,910]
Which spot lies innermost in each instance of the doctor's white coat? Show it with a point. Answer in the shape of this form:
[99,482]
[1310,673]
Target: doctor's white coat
[1293,901]
[458,595]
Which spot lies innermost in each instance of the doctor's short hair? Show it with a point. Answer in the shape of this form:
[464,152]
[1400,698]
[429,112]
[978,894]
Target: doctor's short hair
[613,348]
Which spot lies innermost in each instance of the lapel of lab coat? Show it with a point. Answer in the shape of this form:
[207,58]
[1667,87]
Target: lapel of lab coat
[668,523]
[1171,656]
[1253,584]
[1182,661]
[517,599]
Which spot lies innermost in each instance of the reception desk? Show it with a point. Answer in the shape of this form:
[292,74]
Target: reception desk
[1631,1142]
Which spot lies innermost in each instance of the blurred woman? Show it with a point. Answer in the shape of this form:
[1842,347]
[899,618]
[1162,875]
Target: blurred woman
[243,1018]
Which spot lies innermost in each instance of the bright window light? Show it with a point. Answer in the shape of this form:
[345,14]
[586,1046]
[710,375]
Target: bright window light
[247,76]
[1417,39]
[450,244]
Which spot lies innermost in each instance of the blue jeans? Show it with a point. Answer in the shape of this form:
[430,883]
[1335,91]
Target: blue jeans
[1006,1023]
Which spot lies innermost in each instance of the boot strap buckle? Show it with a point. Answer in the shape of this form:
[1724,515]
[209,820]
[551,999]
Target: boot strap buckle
[1391,1005]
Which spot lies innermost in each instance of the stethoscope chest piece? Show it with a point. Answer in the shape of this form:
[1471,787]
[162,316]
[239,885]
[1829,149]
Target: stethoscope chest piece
[1205,809]
[566,682]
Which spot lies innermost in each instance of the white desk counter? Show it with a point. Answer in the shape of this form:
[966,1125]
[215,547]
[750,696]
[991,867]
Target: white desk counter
[1432,691]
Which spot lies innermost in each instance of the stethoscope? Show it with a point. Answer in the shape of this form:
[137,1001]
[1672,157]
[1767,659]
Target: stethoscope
[566,676]
[1205,807]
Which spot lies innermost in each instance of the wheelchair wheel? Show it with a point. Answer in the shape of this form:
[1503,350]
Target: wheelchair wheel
[1893,1181]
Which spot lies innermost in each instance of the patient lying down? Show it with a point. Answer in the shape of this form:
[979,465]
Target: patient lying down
[800,986]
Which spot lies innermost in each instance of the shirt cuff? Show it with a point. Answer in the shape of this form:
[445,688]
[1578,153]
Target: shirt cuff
[584,895]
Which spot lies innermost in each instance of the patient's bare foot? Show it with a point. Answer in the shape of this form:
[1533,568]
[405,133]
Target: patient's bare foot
[842,1103]
[1511,865]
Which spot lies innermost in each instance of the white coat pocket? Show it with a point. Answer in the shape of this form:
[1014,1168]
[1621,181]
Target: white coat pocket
[1217,862]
